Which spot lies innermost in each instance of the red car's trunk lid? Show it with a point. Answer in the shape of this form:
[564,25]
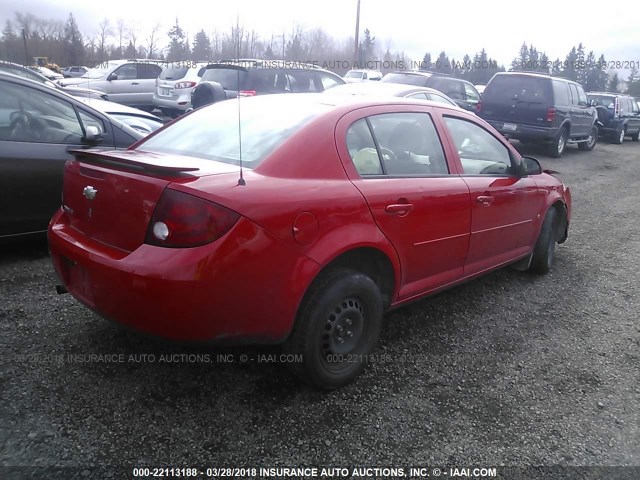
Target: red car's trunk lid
[111,196]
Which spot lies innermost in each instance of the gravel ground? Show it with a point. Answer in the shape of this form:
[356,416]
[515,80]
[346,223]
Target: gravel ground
[510,369]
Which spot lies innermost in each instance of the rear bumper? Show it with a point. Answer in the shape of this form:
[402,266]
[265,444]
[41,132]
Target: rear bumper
[526,132]
[229,291]
[181,102]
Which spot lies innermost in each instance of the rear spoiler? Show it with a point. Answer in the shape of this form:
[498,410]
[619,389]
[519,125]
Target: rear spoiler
[134,159]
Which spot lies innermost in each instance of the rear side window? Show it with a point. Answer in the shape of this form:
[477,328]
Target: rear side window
[408,144]
[362,149]
[148,71]
[471,93]
[604,101]
[227,77]
[560,92]
[507,88]
[173,73]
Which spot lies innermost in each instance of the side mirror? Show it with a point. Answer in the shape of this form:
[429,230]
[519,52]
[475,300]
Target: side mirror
[92,135]
[531,166]
[111,77]
[593,103]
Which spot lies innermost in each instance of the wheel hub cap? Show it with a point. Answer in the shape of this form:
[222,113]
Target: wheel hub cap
[343,328]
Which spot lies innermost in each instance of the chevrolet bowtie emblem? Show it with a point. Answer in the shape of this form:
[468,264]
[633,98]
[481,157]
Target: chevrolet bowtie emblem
[89,192]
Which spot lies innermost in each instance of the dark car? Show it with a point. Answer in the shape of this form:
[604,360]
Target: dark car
[619,115]
[24,72]
[460,91]
[349,207]
[539,108]
[228,79]
[38,127]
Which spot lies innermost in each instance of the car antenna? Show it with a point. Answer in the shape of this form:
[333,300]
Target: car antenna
[241,180]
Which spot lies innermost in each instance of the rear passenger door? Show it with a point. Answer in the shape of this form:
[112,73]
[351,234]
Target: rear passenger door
[147,75]
[634,118]
[398,163]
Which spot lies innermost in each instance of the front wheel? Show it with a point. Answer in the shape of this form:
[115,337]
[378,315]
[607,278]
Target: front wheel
[636,136]
[591,141]
[337,328]
[545,247]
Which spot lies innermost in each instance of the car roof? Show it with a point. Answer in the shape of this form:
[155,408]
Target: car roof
[537,75]
[393,89]
[258,63]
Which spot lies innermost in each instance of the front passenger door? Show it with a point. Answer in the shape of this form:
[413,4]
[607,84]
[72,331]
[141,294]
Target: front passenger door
[504,205]
[36,131]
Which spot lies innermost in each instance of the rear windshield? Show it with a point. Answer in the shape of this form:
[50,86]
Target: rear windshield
[353,74]
[211,133]
[227,77]
[406,78]
[511,88]
[173,73]
[603,100]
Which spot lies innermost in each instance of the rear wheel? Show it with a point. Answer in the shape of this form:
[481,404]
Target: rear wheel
[618,137]
[545,247]
[591,142]
[556,149]
[336,329]
[636,136]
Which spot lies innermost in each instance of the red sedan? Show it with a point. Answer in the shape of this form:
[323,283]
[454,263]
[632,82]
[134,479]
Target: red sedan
[334,211]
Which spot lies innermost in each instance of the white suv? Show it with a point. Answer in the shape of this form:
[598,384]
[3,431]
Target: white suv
[173,89]
[130,82]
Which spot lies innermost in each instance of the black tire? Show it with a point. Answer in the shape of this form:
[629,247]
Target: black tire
[557,147]
[545,247]
[618,137]
[337,328]
[206,93]
[593,139]
[636,136]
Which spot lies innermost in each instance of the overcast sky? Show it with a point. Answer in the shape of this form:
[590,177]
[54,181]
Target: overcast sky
[414,27]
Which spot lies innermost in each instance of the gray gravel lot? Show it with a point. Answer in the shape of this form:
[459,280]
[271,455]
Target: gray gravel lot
[510,369]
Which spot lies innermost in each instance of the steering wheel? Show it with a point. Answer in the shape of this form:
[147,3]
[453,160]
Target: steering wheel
[388,155]
[20,126]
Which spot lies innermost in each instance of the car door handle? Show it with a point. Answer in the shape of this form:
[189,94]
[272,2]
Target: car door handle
[135,83]
[400,209]
[484,199]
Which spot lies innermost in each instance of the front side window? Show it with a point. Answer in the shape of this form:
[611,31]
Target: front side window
[29,115]
[126,72]
[480,152]
[575,99]
[408,144]
[441,99]
[582,97]
[418,96]
[148,71]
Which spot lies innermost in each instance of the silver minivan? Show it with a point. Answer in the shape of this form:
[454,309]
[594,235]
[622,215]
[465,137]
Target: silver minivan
[173,89]
[130,82]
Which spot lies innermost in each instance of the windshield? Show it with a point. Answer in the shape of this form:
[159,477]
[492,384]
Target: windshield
[603,100]
[518,88]
[211,133]
[173,73]
[99,72]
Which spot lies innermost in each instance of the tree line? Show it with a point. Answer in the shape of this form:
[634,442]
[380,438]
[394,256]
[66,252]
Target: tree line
[27,35]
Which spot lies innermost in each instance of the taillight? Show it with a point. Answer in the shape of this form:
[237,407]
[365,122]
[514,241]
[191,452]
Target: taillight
[246,93]
[479,106]
[184,85]
[551,114]
[617,107]
[181,220]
